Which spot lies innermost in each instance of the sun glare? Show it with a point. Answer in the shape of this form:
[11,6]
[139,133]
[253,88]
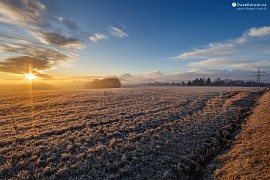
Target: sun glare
[30,77]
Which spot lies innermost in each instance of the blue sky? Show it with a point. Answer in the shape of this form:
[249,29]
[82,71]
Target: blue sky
[136,40]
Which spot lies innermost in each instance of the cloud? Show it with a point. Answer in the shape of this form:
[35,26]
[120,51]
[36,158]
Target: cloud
[46,48]
[259,32]
[154,73]
[98,36]
[69,23]
[32,16]
[241,45]
[36,59]
[21,12]
[26,64]
[232,63]
[60,19]
[213,62]
[247,52]
[127,75]
[118,33]
[51,55]
[19,46]
[56,39]
[211,51]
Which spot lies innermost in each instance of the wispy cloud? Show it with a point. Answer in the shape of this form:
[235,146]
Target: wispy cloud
[118,33]
[232,63]
[127,75]
[154,73]
[259,32]
[98,36]
[230,47]
[249,51]
[51,55]
[32,16]
[70,23]
[22,12]
[24,49]
[212,51]
[55,39]
[46,48]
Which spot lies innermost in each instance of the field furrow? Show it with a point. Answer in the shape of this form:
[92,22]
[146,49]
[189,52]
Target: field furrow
[134,133]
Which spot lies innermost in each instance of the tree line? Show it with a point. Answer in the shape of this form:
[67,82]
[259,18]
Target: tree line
[103,83]
[200,82]
[195,82]
[205,82]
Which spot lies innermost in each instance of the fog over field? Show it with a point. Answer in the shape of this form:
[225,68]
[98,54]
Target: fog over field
[128,133]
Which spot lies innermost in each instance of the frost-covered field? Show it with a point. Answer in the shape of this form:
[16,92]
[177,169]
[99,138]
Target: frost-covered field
[132,133]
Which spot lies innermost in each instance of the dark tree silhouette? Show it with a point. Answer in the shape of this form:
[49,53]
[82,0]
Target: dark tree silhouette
[104,83]
[201,82]
[183,83]
[208,82]
[198,82]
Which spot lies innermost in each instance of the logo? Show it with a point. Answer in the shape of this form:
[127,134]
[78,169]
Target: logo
[249,6]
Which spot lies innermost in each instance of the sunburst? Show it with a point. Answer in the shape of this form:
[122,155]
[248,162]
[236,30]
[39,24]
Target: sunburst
[30,77]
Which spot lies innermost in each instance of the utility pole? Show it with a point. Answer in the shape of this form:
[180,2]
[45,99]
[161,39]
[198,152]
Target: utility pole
[258,74]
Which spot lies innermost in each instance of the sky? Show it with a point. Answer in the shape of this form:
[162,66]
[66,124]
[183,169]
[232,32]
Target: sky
[135,40]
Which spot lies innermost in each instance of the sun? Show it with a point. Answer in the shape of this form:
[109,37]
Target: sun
[30,77]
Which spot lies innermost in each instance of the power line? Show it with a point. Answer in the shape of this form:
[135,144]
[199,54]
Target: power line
[258,75]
